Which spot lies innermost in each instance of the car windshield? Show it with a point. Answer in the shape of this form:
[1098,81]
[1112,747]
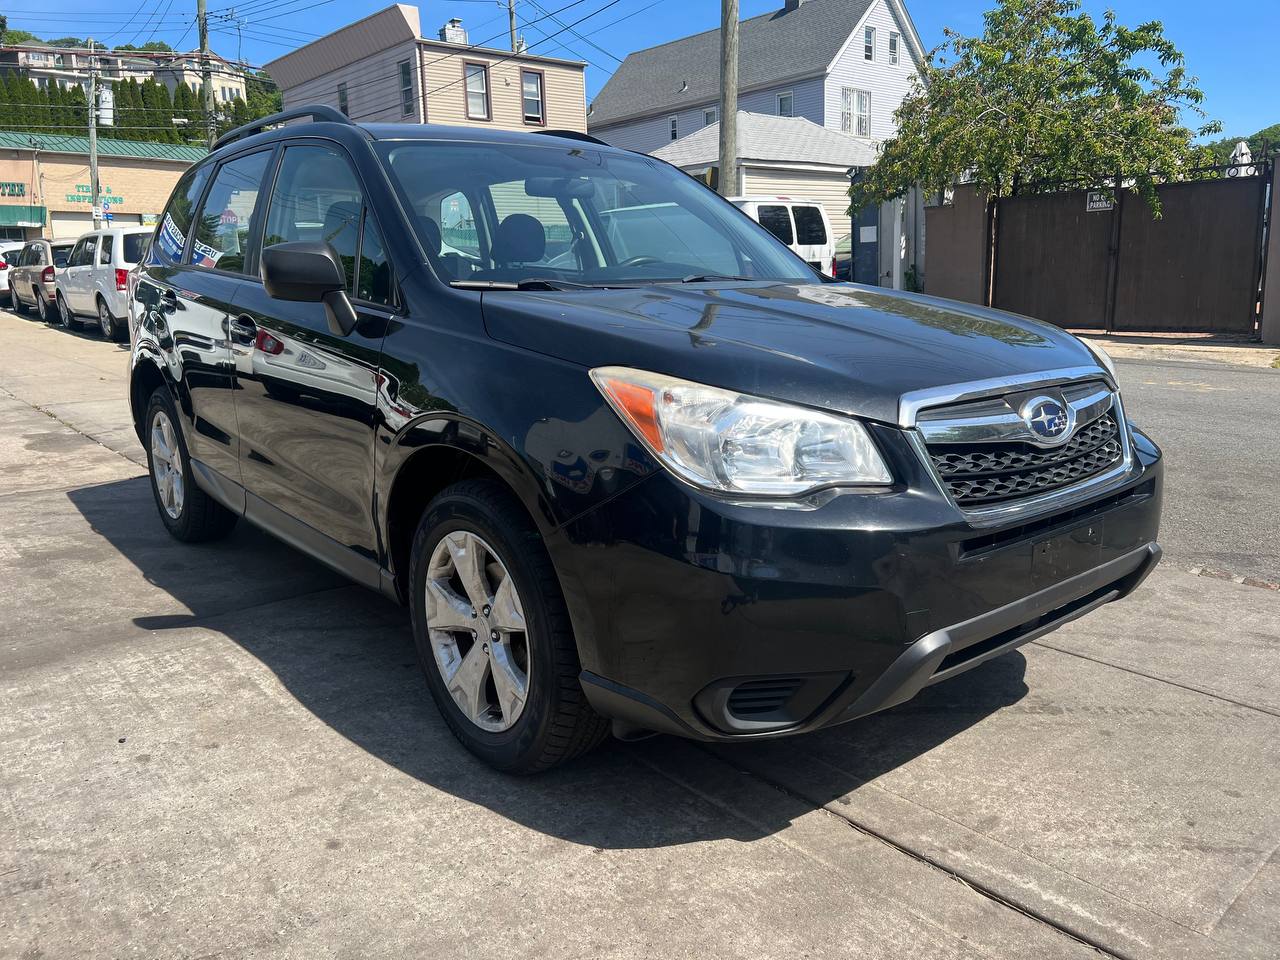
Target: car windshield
[60,255]
[512,213]
[135,247]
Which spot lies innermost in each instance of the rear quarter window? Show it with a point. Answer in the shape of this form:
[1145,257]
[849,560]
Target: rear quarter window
[809,226]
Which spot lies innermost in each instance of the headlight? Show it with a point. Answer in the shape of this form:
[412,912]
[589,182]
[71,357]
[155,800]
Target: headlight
[1103,358]
[734,443]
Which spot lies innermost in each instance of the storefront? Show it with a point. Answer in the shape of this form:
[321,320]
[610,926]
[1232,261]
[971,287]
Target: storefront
[45,190]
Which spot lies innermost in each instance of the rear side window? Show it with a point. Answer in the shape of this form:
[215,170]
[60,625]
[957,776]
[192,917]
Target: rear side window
[809,226]
[226,219]
[171,235]
[135,247]
[60,255]
[105,246]
[778,222]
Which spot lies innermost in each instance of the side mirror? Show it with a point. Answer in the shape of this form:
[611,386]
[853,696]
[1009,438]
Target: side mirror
[310,272]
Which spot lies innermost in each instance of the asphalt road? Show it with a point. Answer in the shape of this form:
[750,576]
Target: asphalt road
[1217,425]
[226,750]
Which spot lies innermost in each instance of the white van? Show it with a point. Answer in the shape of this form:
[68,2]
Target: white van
[801,224]
[95,279]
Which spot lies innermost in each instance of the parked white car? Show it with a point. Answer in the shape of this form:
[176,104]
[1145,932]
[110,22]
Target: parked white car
[9,250]
[801,224]
[95,281]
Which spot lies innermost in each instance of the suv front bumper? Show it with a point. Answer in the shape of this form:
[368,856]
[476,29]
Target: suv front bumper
[721,622]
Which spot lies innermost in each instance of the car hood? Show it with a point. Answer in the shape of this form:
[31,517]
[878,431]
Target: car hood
[842,347]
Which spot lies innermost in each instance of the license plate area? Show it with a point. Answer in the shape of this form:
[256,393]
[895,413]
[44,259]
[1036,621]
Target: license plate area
[1056,558]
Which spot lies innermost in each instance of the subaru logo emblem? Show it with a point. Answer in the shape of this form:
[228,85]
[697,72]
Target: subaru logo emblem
[1048,420]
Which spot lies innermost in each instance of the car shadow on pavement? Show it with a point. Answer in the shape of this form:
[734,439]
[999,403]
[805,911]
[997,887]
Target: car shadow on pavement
[346,655]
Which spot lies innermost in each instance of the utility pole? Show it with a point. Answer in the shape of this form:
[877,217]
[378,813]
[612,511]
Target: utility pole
[93,139]
[206,81]
[511,18]
[728,185]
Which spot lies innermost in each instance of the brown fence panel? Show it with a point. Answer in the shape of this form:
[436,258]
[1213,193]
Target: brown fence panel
[955,235]
[1051,259]
[1195,267]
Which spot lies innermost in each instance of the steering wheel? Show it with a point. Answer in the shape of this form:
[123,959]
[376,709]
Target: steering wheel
[639,261]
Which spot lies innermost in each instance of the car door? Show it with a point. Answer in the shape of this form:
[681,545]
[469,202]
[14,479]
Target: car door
[76,274]
[813,241]
[306,398]
[102,277]
[183,301]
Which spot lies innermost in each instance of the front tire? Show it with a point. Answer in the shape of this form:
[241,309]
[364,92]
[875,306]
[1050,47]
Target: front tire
[493,634]
[106,322]
[188,513]
[42,307]
[65,315]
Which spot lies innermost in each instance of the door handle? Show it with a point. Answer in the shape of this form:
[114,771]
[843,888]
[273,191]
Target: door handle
[243,330]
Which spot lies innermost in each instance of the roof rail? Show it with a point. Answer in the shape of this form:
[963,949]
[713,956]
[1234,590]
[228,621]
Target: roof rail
[316,111]
[572,135]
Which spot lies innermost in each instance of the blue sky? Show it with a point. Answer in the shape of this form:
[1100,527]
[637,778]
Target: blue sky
[1233,57]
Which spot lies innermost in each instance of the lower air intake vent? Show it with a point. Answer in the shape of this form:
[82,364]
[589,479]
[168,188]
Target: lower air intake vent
[756,699]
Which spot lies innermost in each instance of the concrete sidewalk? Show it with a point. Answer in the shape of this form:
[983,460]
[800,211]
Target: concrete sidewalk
[1186,348]
[227,750]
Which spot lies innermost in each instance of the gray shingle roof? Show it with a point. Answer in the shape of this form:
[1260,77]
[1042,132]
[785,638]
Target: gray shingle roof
[771,48]
[762,136]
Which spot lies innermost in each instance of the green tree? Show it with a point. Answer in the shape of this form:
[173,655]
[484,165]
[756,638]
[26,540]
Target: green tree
[156,46]
[68,42]
[1047,97]
[1266,139]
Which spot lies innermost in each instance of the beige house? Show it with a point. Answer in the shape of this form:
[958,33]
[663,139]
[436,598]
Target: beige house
[381,69]
[185,69]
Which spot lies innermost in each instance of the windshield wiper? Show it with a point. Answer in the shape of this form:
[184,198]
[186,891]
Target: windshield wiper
[531,283]
[709,278]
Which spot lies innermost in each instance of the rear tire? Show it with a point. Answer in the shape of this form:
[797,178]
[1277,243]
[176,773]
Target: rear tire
[554,723]
[42,308]
[15,301]
[188,513]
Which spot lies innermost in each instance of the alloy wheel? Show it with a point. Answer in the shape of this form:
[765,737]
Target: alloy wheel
[64,312]
[476,628]
[104,320]
[42,309]
[166,464]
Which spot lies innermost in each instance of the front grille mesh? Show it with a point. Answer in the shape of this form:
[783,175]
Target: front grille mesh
[983,473]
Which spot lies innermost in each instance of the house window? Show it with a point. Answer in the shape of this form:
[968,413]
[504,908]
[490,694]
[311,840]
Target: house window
[406,89]
[893,48]
[476,77]
[675,128]
[343,105]
[531,96]
[710,116]
[869,43]
[862,114]
[786,104]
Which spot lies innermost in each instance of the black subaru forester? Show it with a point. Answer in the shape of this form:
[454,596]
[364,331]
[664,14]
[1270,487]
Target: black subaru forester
[628,460]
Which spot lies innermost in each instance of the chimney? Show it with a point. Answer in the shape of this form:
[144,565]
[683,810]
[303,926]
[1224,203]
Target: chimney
[789,5]
[453,32]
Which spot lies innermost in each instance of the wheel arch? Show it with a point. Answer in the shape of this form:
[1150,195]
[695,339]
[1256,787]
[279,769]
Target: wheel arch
[145,376]
[432,457]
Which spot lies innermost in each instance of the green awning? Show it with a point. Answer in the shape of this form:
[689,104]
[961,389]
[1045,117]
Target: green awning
[13,215]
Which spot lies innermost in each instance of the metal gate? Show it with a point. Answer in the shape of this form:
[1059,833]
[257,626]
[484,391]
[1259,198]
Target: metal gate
[1101,260]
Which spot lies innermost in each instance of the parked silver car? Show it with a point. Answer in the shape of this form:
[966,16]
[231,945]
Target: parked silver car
[31,279]
[95,280]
